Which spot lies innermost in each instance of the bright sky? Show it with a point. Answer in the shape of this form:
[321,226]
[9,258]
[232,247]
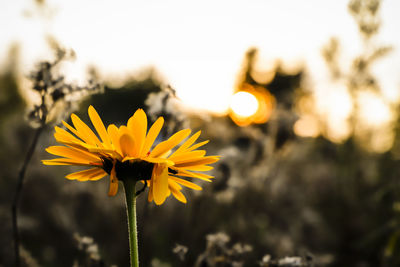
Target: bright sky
[197,47]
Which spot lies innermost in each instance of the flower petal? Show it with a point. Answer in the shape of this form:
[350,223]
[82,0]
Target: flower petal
[85,131]
[113,183]
[99,126]
[114,135]
[65,161]
[201,176]
[62,135]
[185,183]
[137,126]
[187,143]
[152,135]
[74,131]
[93,174]
[160,183]
[167,162]
[104,152]
[197,162]
[127,145]
[201,168]
[167,145]
[72,153]
[188,156]
[197,145]
[176,191]
[150,195]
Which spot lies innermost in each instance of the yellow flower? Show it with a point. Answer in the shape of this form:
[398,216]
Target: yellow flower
[127,153]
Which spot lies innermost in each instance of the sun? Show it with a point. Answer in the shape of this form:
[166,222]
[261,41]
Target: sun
[244,104]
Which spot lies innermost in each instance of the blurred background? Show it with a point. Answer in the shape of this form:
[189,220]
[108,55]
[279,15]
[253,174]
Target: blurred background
[300,98]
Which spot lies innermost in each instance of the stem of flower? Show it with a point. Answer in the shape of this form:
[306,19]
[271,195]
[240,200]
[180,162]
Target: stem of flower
[18,191]
[130,198]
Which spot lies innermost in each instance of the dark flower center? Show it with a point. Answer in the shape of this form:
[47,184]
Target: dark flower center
[136,169]
[139,170]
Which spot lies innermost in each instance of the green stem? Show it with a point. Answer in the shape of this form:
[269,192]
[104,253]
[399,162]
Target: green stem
[130,198]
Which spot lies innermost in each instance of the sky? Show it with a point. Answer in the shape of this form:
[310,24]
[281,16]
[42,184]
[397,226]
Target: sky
[196,46]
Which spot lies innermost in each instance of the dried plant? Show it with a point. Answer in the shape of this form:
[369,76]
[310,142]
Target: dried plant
[165,103]
[220,253]
[88,255]
[53,90]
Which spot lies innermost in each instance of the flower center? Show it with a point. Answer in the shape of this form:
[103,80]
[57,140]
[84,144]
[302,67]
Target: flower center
[130,169]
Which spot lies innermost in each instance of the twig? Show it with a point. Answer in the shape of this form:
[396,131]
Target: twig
[17,196]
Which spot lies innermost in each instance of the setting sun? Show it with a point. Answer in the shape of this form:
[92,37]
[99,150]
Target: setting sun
[244,104]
